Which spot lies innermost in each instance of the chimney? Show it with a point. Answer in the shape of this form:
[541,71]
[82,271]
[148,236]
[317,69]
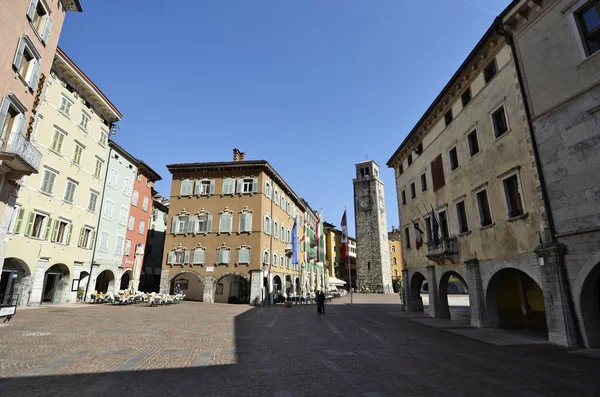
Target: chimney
[242,156]
[236,155]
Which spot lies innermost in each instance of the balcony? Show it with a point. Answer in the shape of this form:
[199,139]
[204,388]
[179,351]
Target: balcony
[20,155]
[288,250]
[446,249]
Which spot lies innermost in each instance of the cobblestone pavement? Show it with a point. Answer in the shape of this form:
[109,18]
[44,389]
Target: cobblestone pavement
[191,349]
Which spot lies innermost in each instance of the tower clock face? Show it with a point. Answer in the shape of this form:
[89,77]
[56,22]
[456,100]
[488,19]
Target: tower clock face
[364,202]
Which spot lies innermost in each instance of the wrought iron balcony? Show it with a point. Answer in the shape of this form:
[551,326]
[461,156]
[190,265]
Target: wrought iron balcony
[20,155]
[447,248]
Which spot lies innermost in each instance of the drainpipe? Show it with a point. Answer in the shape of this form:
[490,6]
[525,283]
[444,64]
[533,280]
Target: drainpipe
[499,28]
[110,150]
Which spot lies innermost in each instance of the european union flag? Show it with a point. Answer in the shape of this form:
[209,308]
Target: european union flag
[295,242]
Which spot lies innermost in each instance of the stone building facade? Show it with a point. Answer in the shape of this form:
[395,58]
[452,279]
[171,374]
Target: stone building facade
[230,230]
[468,169]
[559,58]
[373,258]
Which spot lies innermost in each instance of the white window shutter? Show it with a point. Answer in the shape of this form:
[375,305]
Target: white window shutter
[212,187]
[191,226]
[174,224]
[186,257]
[32,6]
[21,124]
[170,257]
[4,109]
[248,221]
[35,74]
[209,224]
[254,185]
[240,186]
[47,29]
[226,256]
[19,54]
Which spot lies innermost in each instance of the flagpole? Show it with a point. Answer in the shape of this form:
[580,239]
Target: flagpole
[347,258]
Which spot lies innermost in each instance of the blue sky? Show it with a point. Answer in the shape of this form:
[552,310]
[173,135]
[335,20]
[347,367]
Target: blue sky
[312,86]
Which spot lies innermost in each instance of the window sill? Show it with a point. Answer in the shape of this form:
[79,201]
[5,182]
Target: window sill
[474,155]
[518,217]
[242,264]
[245,232]
[454,169]
[75,164]
[589,59]
[222,264]
[38,35]
[36,238]
[67,202]
[45,193]
[487,226]
[497,138]
[67,115]
[463,234]
[227,194]
[25,83]
[85,131]
[227,233]
[55,152]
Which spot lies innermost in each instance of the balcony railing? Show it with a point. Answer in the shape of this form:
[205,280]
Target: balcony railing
[26,152]
[446,247]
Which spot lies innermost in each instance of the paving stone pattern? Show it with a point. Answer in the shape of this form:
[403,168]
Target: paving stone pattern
[195,349]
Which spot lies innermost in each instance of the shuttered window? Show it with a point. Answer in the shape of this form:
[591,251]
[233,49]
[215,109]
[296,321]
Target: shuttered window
[244,255]
[437,173]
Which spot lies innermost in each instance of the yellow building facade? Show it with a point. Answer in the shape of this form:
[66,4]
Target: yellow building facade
[395,246]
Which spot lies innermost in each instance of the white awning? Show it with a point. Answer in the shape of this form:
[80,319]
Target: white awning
[336,281]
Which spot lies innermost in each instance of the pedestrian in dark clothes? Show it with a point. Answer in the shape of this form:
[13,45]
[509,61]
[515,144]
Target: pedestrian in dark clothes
[321,303]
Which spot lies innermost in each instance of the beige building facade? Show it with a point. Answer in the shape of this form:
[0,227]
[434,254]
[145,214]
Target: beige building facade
[52,230]
[467,181]
[229,233]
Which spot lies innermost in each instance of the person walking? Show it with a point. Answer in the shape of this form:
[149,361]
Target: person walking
[321,303]
[177,289]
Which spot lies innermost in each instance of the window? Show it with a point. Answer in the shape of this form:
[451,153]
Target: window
[413,191]
[500,122]
[244,255]
[223,256]
[282,233]
[145,203]
[70,191]
[275,229]
[131,223]
[205,187]
[428,228]
[437,173]
[461,214]
[12,116]
[127,247]
[514,199]
[403,194]
[26,62]
[394,261]
[128,186]
[407,236]
[473,143]
[265,259]
[247,185]
[228,186]
[104,241]
[83,122]
[443,218]
[485,215]
[86,238]
[65,106]
[16,219]
[138,176]
[466,97]
[589,24]
[245,222]
[98,168]
[123,216]
[268,189]
[108,209]
[393,249]
[40,20]
[142,228]
[134,198]
[448,117]
[92,201]
[423,182]
[401,169]
[490,71]
[267,225]
[275,259]
[186,188]
[198,258]
[48,182]
[204,224]
[282,204]
[119,245]
[113,176]
[453,155]
[77,151]
[103,138]
[57,141]
[177,257]
[409,159]
[61,232]
[226,222]
[37,225]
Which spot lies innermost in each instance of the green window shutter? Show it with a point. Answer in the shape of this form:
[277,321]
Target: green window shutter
[93,240]
[48,225]
[69,234]
[80,243]
[54,230]
[29,226]
[19,221]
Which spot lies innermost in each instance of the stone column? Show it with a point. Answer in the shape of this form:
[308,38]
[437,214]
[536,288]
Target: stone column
[209,289]
[405,290]
[256,287]
[164,282]
[479,317]
[434,300]
[560,318]
[77,266]
[37,287]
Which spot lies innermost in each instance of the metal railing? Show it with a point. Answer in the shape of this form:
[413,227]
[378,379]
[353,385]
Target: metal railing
[18,145]
[446,246]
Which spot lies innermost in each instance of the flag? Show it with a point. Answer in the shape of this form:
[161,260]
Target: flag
[436,228]
[418,236]
[344,238]
[295,242]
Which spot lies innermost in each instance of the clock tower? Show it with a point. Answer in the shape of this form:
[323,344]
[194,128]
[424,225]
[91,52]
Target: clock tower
[372,251]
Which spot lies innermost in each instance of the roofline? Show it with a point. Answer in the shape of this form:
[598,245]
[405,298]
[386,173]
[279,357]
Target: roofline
[148,171]
[446,88]
[61,54]
[159,205]
[123,152]
[191,167]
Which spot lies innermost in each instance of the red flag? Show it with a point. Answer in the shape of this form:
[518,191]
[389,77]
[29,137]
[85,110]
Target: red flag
[344,237]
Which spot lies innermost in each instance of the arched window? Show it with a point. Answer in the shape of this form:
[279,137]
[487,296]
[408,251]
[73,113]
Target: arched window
[393,249]
[394,261]
[275,259]
[266,257]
